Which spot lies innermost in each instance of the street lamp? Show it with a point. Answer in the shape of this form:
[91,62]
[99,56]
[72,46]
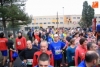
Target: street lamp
[63,16]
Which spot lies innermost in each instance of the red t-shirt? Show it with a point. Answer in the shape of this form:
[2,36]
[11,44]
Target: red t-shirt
[3,44]
[80,54]
[38,53]
[20,43]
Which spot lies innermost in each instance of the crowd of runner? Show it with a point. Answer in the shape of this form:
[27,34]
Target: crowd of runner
[53,47]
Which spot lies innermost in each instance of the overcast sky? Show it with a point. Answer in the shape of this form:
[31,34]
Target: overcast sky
[50,7]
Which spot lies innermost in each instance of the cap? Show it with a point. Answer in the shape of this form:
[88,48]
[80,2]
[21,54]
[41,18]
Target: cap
[55,35]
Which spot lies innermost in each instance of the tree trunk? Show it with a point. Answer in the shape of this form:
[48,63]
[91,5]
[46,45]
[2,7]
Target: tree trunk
[4,26]
[13,26]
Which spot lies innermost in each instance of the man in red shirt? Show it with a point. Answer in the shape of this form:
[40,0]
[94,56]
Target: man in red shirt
[3,47]
[20,42]
[43,48]
[80,51]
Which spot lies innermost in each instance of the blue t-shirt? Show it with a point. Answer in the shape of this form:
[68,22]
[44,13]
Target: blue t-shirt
[70,54]
[82,64]
[56,48]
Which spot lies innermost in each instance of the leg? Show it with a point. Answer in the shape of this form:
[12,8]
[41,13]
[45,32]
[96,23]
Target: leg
[10,58]
[59,62]
[4,54]
[55,63]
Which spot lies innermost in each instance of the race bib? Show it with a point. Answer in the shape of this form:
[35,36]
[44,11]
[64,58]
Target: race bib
[57,52]
[73,57]
[29,61]
[18,43]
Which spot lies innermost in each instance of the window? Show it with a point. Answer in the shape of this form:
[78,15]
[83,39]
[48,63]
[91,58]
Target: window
[44,22]
[40,18]
[44,18]
[36,23]
[99,21]
[78,17]
[57,22]
[40,23]
[99,17]
[49,23]
[61,17]
[74,17]
[32,23]
[61,22]
[53,22]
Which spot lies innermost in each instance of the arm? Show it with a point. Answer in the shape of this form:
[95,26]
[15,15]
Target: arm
[24,42]
[22,55]
[34,60]
[68,55]
[76,57]
[51,60]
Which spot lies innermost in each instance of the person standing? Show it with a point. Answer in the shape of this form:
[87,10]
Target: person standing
[27,54]
[20,42]
[70,51]
[57,47]
[3,47]
[29,34]
[10,45]
[80,51]
[43,49]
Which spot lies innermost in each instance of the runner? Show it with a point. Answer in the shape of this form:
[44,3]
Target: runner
[3,47]
[71,53]
[10,45]
[27,54]
[43,49]
[44,60]
[57,47]
[80,51]
[20,42]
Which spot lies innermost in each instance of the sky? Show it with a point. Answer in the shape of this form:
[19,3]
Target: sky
[51,7]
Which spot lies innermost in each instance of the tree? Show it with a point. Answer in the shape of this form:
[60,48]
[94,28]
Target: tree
[10,11]
[87,15]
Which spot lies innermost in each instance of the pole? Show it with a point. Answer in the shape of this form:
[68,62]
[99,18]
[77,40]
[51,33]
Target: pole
[57,19]
[63,17]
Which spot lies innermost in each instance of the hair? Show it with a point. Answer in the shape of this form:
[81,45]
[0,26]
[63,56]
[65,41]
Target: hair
[89,45]
[44,42]
[10,34]
[82,40]
[1,35]
[43,57]
[71,41]
[90,56]
[81,34]
[75,34]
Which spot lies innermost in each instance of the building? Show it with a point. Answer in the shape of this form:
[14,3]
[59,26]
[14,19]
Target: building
[51,21]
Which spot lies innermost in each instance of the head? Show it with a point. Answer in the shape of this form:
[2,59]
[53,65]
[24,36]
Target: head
[83,41]
[1,35]
[43,60]
[19,34]
[43,46]
[91,58]
[93,40]
[76,35]
[92,46]
[72,41]
[81,35]
[36,41]
[89,34]
[56,37]
[29,44]
[10,35]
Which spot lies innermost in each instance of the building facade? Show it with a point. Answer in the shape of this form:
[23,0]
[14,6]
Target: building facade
[63,21]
